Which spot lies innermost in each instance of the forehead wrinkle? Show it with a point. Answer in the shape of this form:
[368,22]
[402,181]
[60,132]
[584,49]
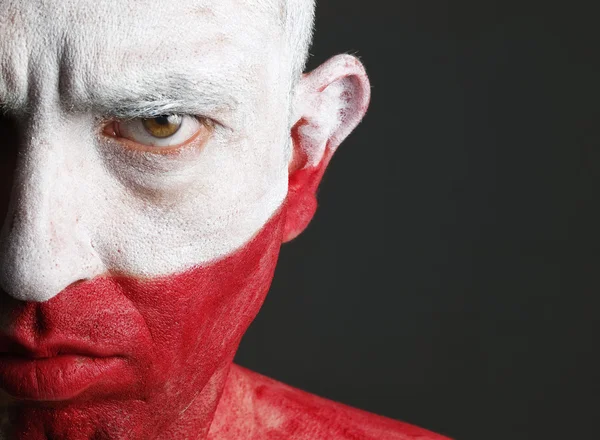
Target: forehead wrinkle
[210,66]
[91,65]
[140,80]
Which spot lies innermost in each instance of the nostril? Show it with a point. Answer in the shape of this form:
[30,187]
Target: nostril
[8,302]
[3,297]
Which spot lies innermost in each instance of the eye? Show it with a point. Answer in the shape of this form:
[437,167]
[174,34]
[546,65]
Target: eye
[163,126]
[161,133]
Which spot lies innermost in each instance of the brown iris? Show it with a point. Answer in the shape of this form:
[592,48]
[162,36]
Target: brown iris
[163,126]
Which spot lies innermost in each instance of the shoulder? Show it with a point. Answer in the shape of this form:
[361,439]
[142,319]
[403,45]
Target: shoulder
[256,407]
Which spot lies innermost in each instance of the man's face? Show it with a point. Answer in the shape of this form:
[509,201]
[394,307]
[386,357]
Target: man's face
[137,248]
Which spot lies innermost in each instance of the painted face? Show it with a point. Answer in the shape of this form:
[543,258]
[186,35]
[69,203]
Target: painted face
[158,159]
[91,197]
[146,212]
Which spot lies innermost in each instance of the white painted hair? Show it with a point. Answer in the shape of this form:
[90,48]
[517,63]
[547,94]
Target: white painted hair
[298,23]
[296,18]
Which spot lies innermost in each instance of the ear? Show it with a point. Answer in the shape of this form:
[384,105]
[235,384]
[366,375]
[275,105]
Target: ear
[329,103]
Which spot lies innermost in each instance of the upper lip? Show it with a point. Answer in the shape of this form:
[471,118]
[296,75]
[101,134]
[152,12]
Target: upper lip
[49,347]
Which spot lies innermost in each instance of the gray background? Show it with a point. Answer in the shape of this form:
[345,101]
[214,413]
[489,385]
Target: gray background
[450,276]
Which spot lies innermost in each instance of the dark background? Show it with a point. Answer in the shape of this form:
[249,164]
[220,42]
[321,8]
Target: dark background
[450,276]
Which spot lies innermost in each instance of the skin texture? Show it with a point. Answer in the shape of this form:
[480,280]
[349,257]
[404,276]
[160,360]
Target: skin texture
[130,269]
[172,339]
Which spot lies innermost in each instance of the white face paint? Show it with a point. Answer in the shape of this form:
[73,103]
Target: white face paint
[84,203]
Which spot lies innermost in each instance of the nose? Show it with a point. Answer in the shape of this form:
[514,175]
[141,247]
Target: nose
[43,246]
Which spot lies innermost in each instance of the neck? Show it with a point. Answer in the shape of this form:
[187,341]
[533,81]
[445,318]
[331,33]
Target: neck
[194,421]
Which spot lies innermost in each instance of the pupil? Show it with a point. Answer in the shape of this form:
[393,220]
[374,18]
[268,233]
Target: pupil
[162,120]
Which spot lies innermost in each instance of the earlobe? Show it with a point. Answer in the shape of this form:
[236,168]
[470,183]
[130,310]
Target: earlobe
[329,103]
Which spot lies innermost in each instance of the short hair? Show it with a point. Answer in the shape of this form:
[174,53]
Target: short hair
[298,18]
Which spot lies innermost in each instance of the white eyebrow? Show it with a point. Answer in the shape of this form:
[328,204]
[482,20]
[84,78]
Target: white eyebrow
[152,96]
[148,96]
[174,94]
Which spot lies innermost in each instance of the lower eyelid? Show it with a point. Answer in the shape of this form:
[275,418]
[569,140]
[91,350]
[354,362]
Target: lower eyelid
[162,150]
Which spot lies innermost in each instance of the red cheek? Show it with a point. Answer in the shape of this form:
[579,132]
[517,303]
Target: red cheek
[171,340]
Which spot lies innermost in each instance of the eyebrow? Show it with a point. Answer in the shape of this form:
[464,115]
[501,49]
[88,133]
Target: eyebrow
[154,96]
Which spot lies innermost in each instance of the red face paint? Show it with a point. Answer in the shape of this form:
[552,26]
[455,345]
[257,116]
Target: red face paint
[275,411]
[123,358]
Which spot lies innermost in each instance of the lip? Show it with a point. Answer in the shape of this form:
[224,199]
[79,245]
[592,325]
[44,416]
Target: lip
[56,378]
[54,372]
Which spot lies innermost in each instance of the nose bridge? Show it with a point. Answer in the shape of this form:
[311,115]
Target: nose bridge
[36,183]
[44,247]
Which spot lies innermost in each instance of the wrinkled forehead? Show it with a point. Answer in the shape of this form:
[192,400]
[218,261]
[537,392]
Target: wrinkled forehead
[87,44]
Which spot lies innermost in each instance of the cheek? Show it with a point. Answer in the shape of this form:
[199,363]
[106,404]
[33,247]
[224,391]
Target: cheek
[220,201]
[196,319]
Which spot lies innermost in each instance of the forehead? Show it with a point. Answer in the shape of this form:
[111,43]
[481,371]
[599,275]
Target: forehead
[88,44]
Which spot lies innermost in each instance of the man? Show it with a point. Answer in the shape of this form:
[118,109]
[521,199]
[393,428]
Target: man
[162,153]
